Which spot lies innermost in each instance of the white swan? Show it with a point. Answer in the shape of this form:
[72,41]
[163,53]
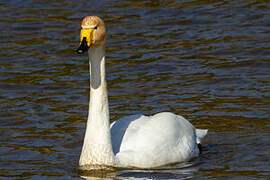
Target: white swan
[134,141]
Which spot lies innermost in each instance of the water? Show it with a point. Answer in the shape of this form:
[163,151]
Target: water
[208,61]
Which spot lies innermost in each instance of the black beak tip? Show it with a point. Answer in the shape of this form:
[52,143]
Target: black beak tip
[83,47]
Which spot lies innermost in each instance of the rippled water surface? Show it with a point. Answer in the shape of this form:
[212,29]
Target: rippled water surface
[206,60]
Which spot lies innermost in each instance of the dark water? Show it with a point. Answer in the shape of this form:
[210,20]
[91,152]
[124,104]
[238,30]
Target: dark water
[206,60]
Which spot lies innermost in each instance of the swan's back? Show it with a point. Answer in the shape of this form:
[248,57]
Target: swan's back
[152,141]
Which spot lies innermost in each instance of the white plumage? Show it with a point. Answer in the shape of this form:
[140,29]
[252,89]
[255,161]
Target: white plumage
[133,141]
[152,141]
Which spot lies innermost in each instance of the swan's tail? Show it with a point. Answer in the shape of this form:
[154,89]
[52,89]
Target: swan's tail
[200,133]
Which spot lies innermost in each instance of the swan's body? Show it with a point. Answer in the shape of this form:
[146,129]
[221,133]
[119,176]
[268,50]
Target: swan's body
[152,141]
[133,141]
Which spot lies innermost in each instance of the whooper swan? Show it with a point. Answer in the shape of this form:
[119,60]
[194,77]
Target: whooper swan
[134,141]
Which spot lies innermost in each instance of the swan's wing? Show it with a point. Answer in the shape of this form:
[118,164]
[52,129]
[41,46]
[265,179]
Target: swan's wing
[120,128]
[150,141]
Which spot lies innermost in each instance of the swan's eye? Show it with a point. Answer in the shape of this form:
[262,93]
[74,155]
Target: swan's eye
[95,27]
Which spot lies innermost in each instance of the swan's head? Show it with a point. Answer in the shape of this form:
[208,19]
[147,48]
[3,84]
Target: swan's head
[92,33]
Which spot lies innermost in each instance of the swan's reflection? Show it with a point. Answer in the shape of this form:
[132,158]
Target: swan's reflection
[179,171]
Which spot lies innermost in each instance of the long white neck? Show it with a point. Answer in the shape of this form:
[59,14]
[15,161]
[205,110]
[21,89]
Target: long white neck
[97,146]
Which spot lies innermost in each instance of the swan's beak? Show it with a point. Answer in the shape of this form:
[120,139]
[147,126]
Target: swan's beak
[85,40]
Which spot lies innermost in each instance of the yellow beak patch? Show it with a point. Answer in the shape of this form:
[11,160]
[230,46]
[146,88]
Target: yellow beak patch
[88,34]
